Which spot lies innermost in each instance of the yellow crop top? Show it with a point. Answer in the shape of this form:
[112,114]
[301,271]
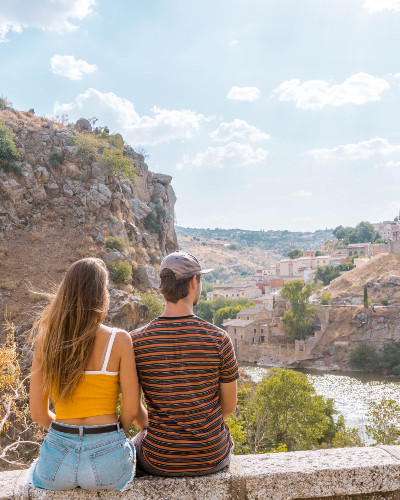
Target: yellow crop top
[96,394]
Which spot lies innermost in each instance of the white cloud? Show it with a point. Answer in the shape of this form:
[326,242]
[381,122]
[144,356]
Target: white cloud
[237,129]
[232,43]
[397,75]
[359,151]
[377,5]
[46,14]
[70,67]
[392,164]
[244,94]
[229,156]
[303,193]
[249,186]
[163,126]
[315,94]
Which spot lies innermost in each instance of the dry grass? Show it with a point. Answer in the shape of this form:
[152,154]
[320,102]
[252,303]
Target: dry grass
[35,236]
[10,286]
[61,268]
[36,297]
[12,310]
[88,240]
[7,265]
[87,226]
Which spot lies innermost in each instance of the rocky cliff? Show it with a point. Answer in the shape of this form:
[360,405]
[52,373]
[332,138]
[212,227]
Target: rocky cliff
[58,205]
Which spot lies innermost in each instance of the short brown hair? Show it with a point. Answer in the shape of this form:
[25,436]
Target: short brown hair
[173,289]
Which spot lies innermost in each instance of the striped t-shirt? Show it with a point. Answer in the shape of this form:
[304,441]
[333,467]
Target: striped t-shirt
[181,362]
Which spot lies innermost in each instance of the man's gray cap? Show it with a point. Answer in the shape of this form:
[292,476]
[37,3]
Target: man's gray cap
[183,265]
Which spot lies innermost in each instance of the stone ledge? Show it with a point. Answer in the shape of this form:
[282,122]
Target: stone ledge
[347,473]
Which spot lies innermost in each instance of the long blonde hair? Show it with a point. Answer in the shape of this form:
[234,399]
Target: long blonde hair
[66,330]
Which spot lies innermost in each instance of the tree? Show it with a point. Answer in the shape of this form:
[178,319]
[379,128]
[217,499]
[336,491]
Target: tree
[204,310]
[225,313]
[299,320]
[365,358]
[326,298]
[273,302]
[118,164]
[363,233]
[326,274]
[384,418]
[295,253]
[283,411]
[366,304]
[318,253]
[8,149]
[390,358]
[347,438]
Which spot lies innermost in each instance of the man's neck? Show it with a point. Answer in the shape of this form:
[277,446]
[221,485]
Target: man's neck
[181,308]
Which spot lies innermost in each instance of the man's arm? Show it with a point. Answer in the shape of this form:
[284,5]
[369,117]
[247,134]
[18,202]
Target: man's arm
[228,398]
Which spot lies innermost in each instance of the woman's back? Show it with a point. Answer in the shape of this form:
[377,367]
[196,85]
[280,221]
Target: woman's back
[95,398]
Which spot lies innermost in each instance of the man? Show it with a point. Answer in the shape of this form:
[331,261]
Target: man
[188,371]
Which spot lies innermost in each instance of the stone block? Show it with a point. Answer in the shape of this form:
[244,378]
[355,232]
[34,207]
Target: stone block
[322,473]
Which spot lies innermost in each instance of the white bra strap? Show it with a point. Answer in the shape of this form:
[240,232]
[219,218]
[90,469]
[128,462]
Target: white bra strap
[109,347]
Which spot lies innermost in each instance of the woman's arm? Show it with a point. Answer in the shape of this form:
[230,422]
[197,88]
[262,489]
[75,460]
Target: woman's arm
[132,407]
[38,398]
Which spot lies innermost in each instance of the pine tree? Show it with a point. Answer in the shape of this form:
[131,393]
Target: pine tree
[365,297]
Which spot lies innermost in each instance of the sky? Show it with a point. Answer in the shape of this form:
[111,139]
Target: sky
[268,114]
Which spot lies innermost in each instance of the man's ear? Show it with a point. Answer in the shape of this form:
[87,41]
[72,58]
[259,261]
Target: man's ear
[194,283]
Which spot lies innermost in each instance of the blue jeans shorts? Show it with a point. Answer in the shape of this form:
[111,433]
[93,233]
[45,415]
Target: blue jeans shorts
[92,461]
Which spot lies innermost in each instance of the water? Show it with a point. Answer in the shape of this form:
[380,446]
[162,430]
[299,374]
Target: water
[351,392]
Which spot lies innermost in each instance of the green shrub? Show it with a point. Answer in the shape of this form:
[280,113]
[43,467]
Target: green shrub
[154,305]
[385,302]
[116,243]
[365,357]
[87,145]
[122,272]
[347,438]
[326,298]
[3,102]
[116,163]
[390,358]
[8,149]
[55,159]
[116,140]
[152,222]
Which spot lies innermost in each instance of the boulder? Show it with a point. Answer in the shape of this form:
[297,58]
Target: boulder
[140,210]
[146,276]
[162,178]
[83,124]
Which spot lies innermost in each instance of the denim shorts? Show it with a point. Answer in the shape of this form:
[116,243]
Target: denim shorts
[94,461]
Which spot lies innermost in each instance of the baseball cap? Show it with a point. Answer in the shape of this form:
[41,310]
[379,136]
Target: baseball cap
[183,265]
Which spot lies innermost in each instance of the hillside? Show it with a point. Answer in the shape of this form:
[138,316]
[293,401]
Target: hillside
[58,205]
[278,242]
[381,275]
[226,262]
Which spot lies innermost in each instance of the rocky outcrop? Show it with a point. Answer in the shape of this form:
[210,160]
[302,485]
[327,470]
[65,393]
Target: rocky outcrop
[56,206]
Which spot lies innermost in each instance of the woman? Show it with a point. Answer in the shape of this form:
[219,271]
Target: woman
[81,364]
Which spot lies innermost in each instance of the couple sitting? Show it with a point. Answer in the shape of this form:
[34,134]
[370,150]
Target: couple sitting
[185,366]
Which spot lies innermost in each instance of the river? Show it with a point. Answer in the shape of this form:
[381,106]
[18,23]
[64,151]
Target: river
[352,392]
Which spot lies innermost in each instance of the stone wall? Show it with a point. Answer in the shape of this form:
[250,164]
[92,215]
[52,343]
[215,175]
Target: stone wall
[343,474]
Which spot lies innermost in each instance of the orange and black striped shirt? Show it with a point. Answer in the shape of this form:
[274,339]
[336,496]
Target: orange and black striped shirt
[181,362]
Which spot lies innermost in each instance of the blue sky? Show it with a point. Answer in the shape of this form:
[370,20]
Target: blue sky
[269,114]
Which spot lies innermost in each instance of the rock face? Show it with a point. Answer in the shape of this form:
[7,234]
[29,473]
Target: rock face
[57,207]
